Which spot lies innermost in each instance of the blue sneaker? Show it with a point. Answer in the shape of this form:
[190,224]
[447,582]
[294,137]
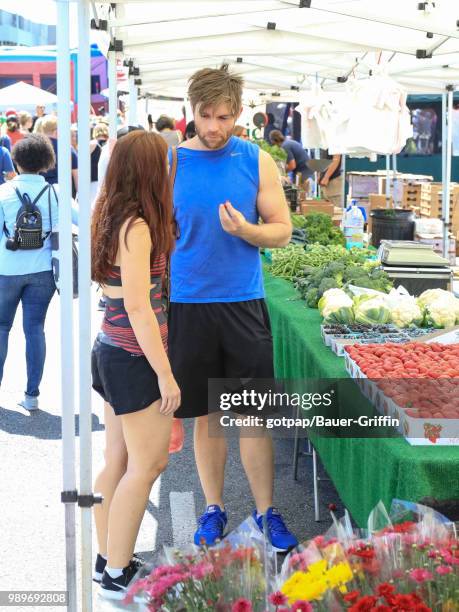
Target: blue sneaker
[278,534]
[211,526]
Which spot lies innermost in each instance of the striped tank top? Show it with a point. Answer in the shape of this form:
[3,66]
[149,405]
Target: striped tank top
[116,327]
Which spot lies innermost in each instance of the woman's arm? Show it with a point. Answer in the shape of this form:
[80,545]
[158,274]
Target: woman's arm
[135,249]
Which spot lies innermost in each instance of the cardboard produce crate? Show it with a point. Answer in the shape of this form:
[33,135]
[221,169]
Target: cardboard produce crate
[316,206]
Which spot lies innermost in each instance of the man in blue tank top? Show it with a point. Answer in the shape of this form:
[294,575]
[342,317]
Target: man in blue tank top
[218,322]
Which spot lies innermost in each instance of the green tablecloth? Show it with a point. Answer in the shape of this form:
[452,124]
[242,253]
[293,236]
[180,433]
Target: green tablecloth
[363,470]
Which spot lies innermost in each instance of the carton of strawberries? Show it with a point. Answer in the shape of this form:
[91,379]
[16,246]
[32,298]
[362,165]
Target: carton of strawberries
[416,383]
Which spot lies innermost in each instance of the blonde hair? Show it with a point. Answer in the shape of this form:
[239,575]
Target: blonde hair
[38,127]
[24,118]
[48,125]
[214,86]
[100,130]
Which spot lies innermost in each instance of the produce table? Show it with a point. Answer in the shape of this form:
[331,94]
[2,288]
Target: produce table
[362,470]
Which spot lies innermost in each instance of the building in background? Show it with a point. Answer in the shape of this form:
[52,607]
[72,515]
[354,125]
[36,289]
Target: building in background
[37,66]
[17,30]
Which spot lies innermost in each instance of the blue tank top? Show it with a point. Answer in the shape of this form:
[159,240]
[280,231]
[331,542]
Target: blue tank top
[209,265]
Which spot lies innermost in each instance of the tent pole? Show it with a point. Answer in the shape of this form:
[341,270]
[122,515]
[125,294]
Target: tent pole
[84,284]
[447,183]
[387,181]
[132,101]
[343,174]
[66,298]
[112,94]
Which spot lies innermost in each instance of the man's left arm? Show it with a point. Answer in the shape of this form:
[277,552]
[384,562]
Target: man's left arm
[276,229]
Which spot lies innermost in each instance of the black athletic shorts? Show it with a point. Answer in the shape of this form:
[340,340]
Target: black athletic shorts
[127,382]
[217,340]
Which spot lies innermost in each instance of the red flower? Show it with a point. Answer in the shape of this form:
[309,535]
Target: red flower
[302,606]
[332,507]
[364,604]
[277,599]
[382,608]
[241,605]
[385,590]
[352,596]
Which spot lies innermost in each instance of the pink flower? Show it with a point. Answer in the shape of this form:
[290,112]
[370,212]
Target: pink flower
[444,569]
[201,570]
[277,599]
[241,605]
[432,554]
[302,606]
[420,575]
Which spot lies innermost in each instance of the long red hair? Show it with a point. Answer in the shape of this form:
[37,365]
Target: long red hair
[136,186]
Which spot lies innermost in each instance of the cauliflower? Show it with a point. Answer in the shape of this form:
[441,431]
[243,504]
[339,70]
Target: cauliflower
[370,310]
[432,295]
[440,313]
[336,307]
[405,311]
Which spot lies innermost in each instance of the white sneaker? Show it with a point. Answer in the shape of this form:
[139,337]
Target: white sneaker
[29,403]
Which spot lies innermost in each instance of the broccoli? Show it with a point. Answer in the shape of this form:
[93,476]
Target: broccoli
[312,297]
[327,283]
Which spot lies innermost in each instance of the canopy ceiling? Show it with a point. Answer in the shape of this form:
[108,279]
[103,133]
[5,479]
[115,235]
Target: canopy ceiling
[278,46]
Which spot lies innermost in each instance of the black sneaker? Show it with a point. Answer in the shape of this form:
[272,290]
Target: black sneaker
[99,568]
[100,564]
[116,588]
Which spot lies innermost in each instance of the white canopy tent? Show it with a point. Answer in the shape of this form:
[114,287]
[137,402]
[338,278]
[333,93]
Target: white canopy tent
[281,47]
[22,96]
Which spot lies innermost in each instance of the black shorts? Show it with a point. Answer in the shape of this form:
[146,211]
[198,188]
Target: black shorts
[127,382]
[217,340]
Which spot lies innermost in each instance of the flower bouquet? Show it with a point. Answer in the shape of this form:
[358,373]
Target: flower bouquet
[230,577]
[408,560]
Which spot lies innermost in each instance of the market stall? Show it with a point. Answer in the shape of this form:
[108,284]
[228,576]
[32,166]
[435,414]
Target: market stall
[363,470]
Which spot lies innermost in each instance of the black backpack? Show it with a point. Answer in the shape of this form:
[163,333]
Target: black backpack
[28,230]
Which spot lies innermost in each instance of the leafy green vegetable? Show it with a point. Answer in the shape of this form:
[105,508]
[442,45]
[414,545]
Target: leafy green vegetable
[276,152]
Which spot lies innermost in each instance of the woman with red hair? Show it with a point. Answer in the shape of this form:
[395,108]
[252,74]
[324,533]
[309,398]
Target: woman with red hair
[132,238]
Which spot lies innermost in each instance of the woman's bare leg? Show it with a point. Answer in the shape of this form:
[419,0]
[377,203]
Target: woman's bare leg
[147,434]
[108,478]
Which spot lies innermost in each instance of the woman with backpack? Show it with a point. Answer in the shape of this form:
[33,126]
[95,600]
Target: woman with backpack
[26,274]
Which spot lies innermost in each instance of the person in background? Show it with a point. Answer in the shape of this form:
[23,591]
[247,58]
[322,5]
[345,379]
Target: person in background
[37,128]
[74,136]
[240,132]
[165,127]
[331,181]
[190,131]
[218,321]
[12,127]
[6,166]
[25,122]
[26,275]
[130,366]
[297,157]
[39,112]
[150,123]
[269,127]
[49,128]
[99,139]
[180,124]
[5,142]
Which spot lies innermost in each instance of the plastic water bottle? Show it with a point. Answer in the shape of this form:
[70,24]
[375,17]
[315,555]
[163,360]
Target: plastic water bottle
[353,223]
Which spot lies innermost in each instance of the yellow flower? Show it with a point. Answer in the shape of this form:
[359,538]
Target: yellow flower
[339,574]
[318,568]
